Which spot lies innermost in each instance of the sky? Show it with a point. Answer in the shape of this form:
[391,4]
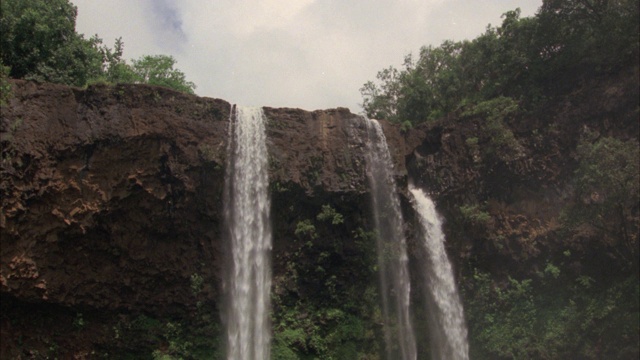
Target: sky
[309,54]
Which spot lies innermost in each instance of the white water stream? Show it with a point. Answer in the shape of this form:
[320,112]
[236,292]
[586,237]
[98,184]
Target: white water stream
[393,261]
[447,326]
[247,222]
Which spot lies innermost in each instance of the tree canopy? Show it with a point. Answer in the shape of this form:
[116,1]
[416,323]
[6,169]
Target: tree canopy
[39,42]
[607,183]
[159,70]
[521,59]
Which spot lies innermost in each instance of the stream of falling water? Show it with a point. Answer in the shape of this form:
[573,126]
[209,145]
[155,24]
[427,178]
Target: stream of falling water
[447,326]
[393,262]
[247,222]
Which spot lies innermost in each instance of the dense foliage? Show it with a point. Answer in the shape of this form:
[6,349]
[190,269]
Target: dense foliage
[553,315]
[570,291]
[524,59]
[607,182]
[39,42]
[325,297]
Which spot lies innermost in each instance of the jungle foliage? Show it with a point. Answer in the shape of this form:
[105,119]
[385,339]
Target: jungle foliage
[325,297]
[39,42]
[552,315]
[577,296]
[523,59]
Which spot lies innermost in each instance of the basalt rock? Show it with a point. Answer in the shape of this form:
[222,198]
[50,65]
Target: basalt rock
[112,197]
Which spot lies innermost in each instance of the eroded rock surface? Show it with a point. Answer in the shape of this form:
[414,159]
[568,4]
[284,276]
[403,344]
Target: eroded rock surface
[112,195]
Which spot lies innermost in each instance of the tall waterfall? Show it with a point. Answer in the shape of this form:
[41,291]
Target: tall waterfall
[448,329]
[391,246]
[247,222]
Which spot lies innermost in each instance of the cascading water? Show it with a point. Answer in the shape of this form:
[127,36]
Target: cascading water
[448,329]
[247,222]
[393,261]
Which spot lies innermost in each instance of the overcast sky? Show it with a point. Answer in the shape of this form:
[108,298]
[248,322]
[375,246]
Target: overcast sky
[311,54]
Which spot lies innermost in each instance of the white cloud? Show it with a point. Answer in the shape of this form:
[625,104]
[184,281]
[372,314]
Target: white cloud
[294,53]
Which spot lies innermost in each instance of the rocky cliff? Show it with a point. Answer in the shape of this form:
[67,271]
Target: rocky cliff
[112,200]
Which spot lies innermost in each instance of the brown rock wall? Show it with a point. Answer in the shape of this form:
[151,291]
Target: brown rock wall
[111,195]
[101,193]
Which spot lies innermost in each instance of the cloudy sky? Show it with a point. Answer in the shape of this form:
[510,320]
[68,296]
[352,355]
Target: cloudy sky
[311,54]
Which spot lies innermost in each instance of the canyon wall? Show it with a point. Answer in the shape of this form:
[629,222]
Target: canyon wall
[111,213]
[112,201]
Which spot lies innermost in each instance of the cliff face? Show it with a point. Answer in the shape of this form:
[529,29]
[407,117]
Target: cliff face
[526,185]
[112,208]
[111,196]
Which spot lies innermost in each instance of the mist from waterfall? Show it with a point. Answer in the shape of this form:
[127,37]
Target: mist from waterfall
[248,229]
[393,261]
[448,330]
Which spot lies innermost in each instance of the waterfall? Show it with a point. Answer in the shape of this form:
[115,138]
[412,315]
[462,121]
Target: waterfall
[393,261]
[448,330]
[247,223]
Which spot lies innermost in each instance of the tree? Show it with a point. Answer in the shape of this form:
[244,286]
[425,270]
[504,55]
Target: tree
[598,35]
[607,188]
[39,42]
[445,78]
[381,101]
[523,59]
[424,89]
[115,68]
[158,70]
[431,84]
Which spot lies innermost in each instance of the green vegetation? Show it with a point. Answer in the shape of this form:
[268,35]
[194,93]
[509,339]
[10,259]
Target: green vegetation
[552,316]
[158,70]
[79,322]
[580,297]
[571,292]
[497,137]
[607,187]
[190,336]
[197,283]
[325,299]
[521,61]
[329,213]
[306,228]
[5,86]
[39,42]
[474,215]
[207,152]
[328,333]
[563,289]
